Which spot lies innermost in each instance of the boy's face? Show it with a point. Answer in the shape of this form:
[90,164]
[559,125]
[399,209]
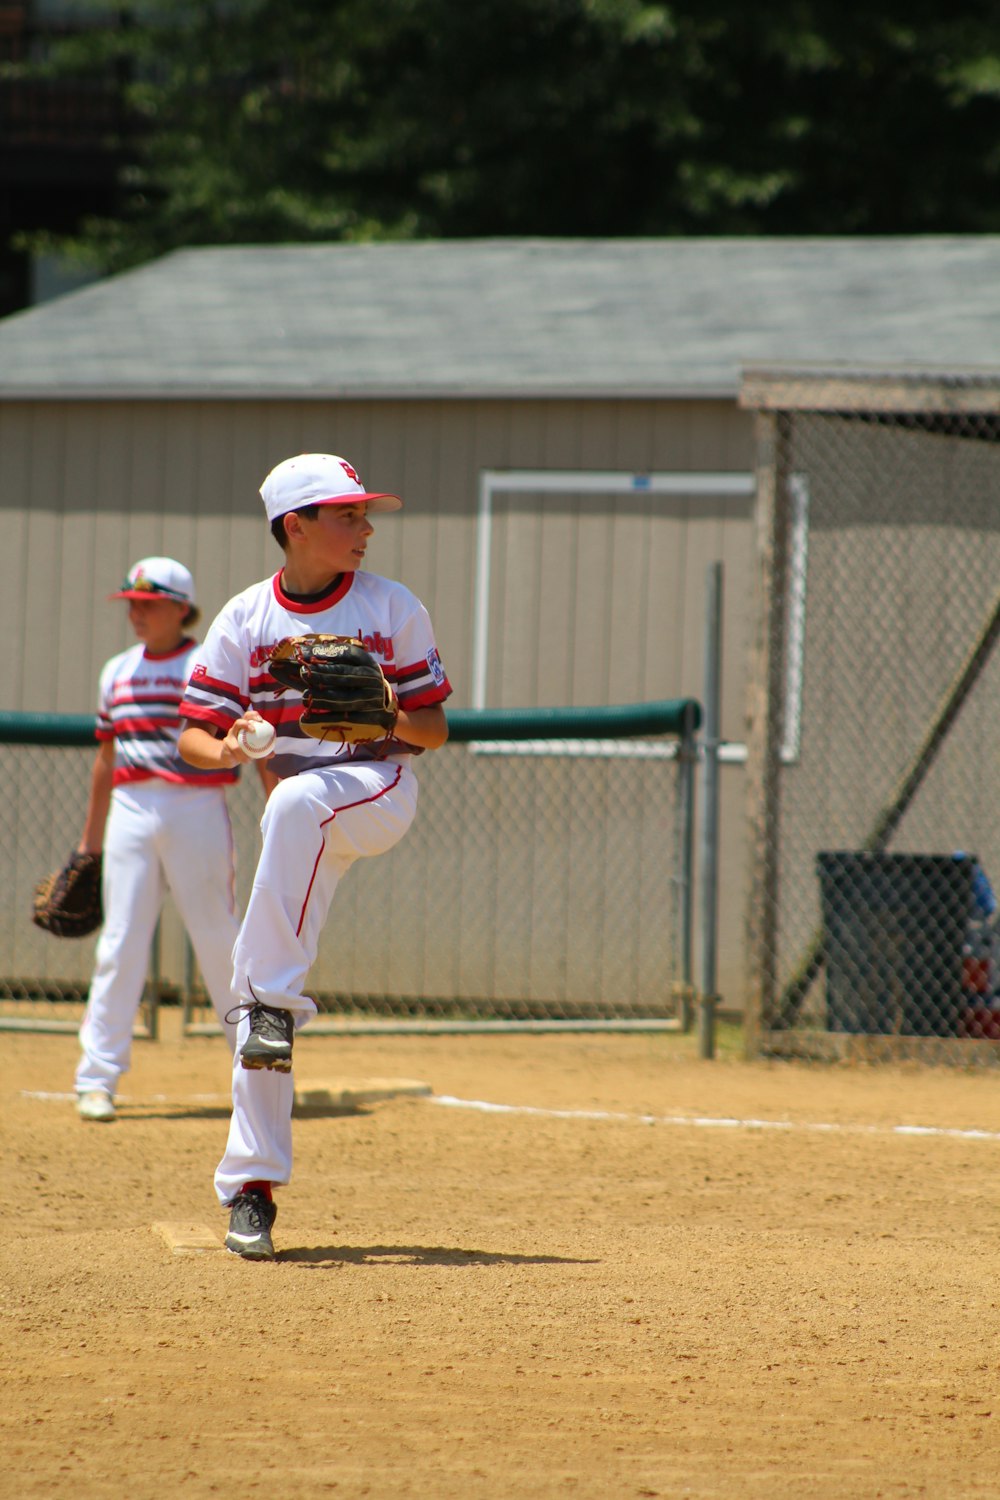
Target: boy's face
[338,536]
[158,623]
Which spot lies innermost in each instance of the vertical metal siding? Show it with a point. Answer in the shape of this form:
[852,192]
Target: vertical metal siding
[613,590]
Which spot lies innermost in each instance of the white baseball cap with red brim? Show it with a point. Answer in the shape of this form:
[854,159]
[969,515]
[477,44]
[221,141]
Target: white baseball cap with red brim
[157,578]
[318,479]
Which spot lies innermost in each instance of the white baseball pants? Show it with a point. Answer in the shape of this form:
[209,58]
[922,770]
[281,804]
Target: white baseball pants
[315,825]
[158,834]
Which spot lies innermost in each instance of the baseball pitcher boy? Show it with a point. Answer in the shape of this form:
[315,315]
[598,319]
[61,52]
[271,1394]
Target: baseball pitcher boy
[159,822]
[346,789]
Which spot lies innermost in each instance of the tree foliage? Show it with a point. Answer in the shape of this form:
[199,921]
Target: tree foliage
[259,121]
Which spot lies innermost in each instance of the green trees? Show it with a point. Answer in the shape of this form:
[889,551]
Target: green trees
[259,120]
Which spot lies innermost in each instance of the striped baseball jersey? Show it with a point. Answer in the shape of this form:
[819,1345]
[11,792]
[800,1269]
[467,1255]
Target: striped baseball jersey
[230,672]
[139,694]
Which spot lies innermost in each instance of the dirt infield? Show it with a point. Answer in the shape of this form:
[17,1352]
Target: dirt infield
[577,1302]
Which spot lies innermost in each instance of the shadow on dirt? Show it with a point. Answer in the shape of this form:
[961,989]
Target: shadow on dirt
[178,1113]
[418,1255]
[181,1112]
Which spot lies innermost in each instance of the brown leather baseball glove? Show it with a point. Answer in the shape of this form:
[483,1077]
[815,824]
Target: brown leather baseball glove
[67,903]
[345,695]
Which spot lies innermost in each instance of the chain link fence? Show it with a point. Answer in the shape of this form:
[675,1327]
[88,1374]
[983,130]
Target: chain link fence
[545,881]
[875,717]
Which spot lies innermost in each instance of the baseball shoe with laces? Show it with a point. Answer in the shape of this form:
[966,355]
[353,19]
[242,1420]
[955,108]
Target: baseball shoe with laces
[95,1104]
[269,1044]
[250,1222]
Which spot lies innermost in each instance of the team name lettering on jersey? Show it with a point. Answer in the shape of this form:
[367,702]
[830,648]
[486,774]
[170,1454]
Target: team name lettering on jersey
[378,644]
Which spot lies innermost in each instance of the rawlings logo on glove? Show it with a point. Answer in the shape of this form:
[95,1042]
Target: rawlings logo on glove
[345,695]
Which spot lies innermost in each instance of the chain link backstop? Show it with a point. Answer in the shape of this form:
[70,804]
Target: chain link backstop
[547,879]
[875,716]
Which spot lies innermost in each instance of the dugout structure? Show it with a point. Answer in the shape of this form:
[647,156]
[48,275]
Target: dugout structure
[874,715]
[547,881]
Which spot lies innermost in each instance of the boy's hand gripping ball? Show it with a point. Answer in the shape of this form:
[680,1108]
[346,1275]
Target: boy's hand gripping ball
[256,739]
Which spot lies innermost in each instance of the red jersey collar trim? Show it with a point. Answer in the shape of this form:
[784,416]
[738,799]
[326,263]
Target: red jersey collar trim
[317,605]
[185,645]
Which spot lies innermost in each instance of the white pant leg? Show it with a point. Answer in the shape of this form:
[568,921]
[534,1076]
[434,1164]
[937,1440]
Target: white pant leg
[259,1146]
[133,893]
[196,849]
[315,825]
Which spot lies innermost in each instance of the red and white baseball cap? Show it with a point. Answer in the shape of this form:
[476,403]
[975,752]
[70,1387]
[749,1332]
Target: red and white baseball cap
[157,577]
[318,479]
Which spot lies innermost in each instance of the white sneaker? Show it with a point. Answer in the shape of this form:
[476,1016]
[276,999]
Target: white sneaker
[96,1105]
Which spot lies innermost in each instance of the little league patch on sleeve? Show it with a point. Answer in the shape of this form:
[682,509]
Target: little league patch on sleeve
[434,662]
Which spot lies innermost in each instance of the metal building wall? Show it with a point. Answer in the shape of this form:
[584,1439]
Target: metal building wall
[86,487]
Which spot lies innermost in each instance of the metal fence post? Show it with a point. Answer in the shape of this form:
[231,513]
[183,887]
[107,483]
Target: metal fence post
[687,759]
[154,985]
[709,841]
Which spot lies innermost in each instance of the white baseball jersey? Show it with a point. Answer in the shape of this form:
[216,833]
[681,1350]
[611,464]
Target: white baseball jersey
[230,671]
[139,694]
[167,827]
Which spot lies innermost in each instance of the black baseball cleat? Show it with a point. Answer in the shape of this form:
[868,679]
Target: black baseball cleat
[269,1044]
[250,1222]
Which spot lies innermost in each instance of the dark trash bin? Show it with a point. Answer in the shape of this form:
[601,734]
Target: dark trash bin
[894,927]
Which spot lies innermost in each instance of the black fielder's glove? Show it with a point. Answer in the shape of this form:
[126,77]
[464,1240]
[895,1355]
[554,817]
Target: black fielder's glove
[345,695]
[67,903]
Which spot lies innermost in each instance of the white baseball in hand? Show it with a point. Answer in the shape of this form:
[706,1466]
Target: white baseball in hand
[256,739]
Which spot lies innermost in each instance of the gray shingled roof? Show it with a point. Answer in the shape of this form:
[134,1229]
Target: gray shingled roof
[508,317]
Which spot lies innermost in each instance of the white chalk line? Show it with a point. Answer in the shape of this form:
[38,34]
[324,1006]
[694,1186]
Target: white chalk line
[694,1122]
[715,1122]
[129,1099]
